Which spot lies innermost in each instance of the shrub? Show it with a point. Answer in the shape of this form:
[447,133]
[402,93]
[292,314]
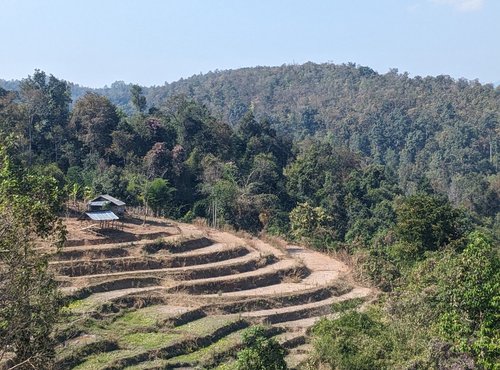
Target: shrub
[260,353]
[354,341]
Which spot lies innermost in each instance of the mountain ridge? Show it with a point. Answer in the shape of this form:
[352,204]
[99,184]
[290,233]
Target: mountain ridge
[257,84]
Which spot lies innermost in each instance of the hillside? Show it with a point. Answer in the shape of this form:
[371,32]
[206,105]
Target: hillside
[435,127]
[179,296]
[397,175]
[286,92]
[442,128]
[334,90]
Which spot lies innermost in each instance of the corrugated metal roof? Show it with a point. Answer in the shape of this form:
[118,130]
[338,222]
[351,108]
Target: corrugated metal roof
[102,216]
[99,203]
[109,198]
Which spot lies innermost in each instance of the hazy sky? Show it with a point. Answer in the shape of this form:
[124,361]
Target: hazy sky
[96,42]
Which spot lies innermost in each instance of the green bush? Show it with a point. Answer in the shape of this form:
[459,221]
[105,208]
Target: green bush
[260,353]
[355,341]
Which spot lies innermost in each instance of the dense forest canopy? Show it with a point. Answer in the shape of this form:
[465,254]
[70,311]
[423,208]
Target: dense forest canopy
[400,172]
[437,128]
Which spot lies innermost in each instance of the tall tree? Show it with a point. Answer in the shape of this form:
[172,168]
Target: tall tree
[159,196]
[428,222]
[93,119]
[46,101]
[30,302]
[138,98]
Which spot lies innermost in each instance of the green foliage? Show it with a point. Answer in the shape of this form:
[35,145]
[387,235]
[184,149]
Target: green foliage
[312,224]
[452,297]
[428,222]
[319,170]
[356,206]
[74,175]
[138,99]
[93,120]
[30,302]
[278,224]
[260,352]
[46,107]
[382,338]
[347,305]
[239,203]
[369,202]
[109,180]
[159,195]
[425,223]
[469,293]
[380,268]
[354,341]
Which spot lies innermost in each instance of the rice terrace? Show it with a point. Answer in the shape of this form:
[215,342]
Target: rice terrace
[171,295]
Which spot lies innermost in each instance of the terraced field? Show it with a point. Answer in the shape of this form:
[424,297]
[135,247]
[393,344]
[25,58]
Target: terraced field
[173,296]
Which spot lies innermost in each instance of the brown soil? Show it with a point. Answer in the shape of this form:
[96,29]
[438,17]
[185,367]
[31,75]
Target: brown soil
[82,232]
[205,272]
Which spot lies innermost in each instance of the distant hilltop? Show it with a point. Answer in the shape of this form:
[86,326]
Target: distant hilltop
[287,91]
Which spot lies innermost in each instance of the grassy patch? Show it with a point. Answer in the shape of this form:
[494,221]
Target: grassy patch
[207,354]
[207,325]
[144,341]
[347,305]
[80,306]
[155,364]
[203,356]
[148,341]
[76,304]
[134,319]
[98,361]
[229,365]
[201,327]
[144,319]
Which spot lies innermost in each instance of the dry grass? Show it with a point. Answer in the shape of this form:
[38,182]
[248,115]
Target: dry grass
[200,222]
[275,241]
[293,276]
[344,256]
[143,329]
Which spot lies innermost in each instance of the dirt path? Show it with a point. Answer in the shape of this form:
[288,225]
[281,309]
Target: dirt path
[355,293]
[324,270]
[168,271]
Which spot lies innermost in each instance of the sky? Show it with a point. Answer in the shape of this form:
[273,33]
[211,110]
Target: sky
[150,42]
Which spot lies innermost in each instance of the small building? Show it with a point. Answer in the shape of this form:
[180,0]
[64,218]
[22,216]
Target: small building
[107,203]
[106,219]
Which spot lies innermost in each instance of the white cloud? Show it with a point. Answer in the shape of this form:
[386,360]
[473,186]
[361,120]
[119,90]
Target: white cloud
[462,5]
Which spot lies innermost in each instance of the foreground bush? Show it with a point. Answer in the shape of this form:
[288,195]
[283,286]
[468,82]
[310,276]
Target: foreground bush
[260,353]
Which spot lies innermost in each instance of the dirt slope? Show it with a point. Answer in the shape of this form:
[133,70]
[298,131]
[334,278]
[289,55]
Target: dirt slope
[167,294]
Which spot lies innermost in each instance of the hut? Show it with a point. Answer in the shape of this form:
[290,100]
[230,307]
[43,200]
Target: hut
[105,219]
[107,203]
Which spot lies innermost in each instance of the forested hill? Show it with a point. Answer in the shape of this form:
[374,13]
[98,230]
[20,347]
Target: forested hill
[439,127]
[291,94]
[336,91]
[304,98]
[444,124]
[444,129]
